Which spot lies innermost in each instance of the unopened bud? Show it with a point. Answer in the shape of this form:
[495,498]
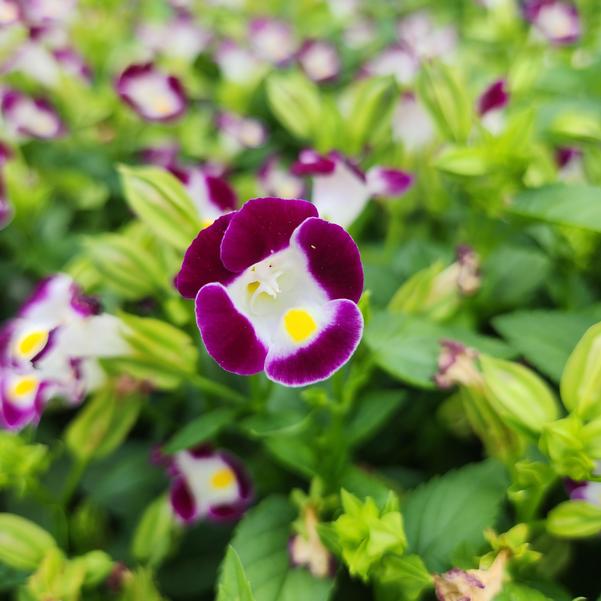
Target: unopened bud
[457,365]
[307,550]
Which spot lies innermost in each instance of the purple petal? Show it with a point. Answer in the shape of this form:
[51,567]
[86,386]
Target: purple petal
[233,511]
[495,97]
[202,262]
[311,163]
[182,501]
[382,181]
[319,60]
[261,227]
[333,258]
[565,155]
[161,156]
[221,193]
[332,348]
[45,126]
[228,336]
[558,21]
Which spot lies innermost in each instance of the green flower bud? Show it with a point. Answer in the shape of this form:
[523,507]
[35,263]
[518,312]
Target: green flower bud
[445,95]
[154,534]
[581,378]
[296,103]
[102,425]
[518,394]
[162,203]
[126,266]
[57,578]
[564,443]
[367,534]
[574,519]
[23,544]
[97,566]
[140,586]
[20,463]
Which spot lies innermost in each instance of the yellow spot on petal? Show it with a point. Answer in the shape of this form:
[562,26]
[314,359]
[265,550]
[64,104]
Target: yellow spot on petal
[31,344]
[222,478]
[25,386]
[299,324]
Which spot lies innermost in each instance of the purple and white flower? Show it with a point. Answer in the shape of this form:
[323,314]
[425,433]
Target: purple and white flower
[212,195]
[42,12]
[276,289]
[27,117]
[10,13]
[556,20]
[237,64]
[425,39]
[341,190]
[396,60]
[181,37]
[587,491]
[208,484]
[491,106]
[272,40]
[412,124]
[154,95]
[240,132]
[50,349]
[277,180]
[319,60]
[570,164]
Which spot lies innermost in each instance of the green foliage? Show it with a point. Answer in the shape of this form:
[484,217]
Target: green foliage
[200,430]
[24,544]
[451,511]
[20,463]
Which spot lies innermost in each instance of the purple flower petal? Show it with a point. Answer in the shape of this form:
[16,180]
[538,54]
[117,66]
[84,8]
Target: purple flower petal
[261,227]
[556,20]
[495,97]
[31,117]
[272,40]
[202,262]
[331,349]
[311,163]
[221,193]
[319,60]
[161,155]
[228,336]
[383,181]
[182,501]
[333,258]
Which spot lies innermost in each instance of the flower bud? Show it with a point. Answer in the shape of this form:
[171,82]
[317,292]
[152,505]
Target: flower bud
[162,203]
[581,378]
[24,543]
[57,578]
[574,519]
[295,101]
[563,442]
[457,365]
[306,549]
[518,394]
[153,535]
[98,566]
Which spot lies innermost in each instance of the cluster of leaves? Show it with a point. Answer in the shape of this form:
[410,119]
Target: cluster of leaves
[407,480]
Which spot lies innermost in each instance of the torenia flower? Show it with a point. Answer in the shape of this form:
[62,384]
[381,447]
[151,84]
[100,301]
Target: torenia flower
[208,484]
[277,180]
[272,40]
[587,491]
[9,13]
[492,104]
[154,95]
[319,60]
[180,37]
[425,39]
[397,60]
[569,164]
[241,132]
[237,64]
[412,124]
[276,290]
[42,12]
[472,585]
[556,20]
[51,349]
[341,190]
[212,195]
[30,117]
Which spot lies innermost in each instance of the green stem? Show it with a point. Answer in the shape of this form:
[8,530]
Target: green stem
[215,388]
[73,478]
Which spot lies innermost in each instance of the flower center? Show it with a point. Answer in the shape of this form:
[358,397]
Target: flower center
[264,281]
[222,478]
[299,324]
[162,105]
[31,344]
[22,389]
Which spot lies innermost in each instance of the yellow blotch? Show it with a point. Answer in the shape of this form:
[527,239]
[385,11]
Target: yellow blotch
[252,287]
[222,478]
[25,386]
[32,343]
[299,324]
[162,105]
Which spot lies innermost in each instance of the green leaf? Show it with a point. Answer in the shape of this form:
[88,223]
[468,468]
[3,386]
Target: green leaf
[452,511]
[201,429]
[373,411]
[23,544]
[574,519]
[518,592]
[408,347]
[234,584]
[544,338]
[10,578]
[261,543]
[365,484]
[577,205]
[152,538]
